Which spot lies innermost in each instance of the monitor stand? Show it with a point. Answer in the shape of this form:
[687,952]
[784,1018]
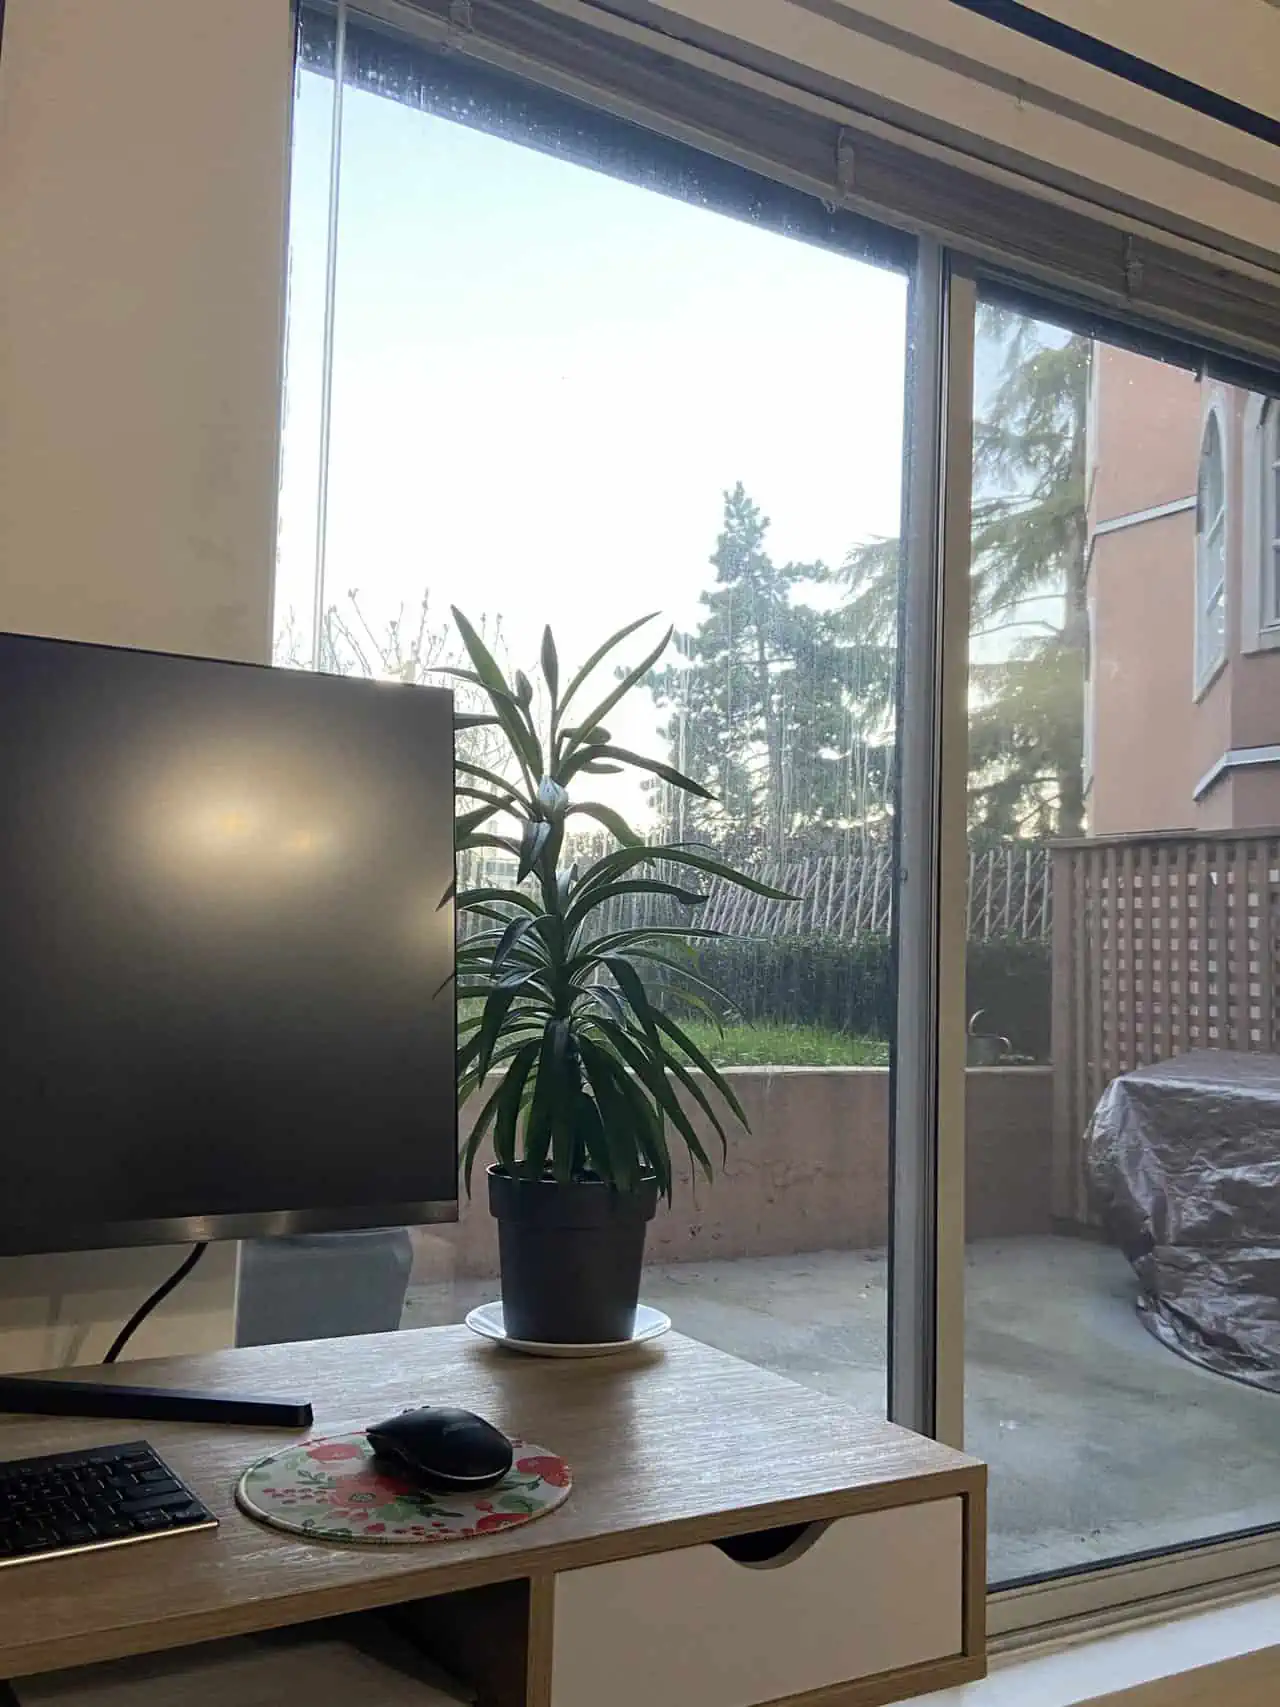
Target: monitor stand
[33,1395]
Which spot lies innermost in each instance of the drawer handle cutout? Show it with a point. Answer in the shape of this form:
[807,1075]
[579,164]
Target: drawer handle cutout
[767,1549]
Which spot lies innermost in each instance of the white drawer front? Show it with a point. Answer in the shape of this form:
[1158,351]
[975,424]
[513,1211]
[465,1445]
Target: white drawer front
[693,1629]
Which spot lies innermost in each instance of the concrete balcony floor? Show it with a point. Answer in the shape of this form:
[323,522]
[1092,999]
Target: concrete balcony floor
[1100,1442]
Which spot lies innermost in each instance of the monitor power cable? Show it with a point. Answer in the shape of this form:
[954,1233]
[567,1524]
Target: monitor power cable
[157,1297]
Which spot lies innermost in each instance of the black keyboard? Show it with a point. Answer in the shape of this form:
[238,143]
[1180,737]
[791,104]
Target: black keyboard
[110,1496]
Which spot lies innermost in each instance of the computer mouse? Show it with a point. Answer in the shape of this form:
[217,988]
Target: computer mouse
[443,1447]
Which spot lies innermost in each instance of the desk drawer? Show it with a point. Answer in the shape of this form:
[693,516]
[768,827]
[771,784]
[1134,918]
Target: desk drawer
[692,1628]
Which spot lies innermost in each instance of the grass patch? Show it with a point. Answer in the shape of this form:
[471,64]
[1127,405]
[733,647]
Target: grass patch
[786,1046]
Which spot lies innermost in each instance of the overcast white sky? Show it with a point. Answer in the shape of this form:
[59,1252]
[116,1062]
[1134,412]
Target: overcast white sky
[544,380]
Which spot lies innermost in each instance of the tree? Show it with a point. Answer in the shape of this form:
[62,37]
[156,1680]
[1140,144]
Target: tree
[408,647]
[758,700]
[1028,618]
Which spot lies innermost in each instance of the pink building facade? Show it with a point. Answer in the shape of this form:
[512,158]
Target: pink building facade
[1182,713]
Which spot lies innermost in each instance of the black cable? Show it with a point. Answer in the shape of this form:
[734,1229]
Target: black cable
[161,1292]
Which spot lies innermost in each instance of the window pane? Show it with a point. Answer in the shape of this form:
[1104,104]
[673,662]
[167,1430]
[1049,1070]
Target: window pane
[561,397]
[1124,1045]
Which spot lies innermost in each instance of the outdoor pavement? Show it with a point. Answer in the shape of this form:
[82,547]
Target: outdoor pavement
[1101,1443]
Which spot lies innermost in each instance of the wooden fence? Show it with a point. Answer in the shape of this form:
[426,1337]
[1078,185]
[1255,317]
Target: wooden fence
[842,895]
[1161,944]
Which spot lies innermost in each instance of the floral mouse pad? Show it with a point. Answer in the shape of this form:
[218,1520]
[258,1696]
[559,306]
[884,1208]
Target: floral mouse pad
[335,1490]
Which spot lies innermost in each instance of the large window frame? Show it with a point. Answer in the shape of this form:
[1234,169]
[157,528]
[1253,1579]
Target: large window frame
[962,230]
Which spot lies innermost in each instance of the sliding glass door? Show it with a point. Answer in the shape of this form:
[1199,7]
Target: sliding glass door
[547,369]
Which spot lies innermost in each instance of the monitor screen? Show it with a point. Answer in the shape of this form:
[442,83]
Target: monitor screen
[226,942]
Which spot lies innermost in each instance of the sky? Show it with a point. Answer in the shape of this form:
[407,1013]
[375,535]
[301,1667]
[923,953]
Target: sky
[545,379]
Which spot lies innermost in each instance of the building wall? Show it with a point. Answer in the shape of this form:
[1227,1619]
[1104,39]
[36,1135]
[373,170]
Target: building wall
[1153,737]
[142,208]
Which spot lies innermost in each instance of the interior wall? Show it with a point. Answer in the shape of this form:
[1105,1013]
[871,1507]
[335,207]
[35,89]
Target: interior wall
[143,153]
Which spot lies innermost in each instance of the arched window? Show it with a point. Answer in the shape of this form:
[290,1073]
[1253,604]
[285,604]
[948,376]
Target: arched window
[1211,552]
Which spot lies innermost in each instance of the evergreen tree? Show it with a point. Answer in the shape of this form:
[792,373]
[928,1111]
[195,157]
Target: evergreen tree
[766,705]
[1027,581]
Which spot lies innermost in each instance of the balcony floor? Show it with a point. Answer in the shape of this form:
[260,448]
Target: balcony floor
[1101,1443]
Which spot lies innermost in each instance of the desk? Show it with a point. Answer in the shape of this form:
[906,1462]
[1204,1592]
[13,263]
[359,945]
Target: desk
[673,1447]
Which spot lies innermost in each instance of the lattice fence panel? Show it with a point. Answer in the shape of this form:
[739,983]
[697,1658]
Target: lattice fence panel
[1160,945]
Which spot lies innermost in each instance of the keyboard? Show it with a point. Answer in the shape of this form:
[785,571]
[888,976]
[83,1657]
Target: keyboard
[75,1502]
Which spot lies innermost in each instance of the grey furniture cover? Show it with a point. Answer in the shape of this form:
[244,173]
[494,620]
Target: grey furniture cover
[1184,1161]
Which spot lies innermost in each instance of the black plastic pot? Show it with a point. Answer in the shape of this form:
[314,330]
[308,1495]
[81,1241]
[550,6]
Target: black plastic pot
[571,1257]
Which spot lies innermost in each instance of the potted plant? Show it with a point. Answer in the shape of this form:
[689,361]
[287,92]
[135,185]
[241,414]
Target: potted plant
[583,1071]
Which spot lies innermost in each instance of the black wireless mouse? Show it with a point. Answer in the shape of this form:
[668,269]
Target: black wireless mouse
[443,1447]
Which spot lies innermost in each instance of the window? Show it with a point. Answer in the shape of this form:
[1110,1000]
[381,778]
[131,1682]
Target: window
[561,396]
[1269,512]
[1211,553]
[554,364]
[1101,1442]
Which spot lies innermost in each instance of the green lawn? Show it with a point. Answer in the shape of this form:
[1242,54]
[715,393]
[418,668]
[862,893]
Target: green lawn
[786,1046]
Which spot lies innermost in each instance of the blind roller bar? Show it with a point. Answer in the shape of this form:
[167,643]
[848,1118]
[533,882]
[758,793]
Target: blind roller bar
[859,165]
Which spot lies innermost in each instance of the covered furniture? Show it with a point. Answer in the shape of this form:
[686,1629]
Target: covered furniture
[1184,1165]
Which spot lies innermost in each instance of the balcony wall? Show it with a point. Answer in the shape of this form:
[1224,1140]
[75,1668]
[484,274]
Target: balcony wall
[812,1174]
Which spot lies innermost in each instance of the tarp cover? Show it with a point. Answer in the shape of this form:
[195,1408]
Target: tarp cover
[1184,1159]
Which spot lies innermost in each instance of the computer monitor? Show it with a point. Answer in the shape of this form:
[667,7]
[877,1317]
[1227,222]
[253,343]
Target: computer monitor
[226,946]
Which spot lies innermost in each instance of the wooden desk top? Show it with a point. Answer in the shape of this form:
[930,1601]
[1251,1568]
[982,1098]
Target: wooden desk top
[670,1445]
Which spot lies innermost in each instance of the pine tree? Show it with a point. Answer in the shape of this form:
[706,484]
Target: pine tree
[1027,582]
[768,708]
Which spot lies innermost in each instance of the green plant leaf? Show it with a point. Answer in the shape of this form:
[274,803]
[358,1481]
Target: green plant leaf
[469,898]
[475,1138]
[696,1091]
[510,937]
[474,720]
[469,822]
[550,667]
[651,1069]
[508,1110]
[622,688]
[533,839]
[626,1129]
[511,713]
[499,783]
[552,798]
[602,652]
[613,821]
[633,886]
[496,1007]
[546,1091]
[524,689]
[484,840]
[608,999]
[673,1031]
[620,755]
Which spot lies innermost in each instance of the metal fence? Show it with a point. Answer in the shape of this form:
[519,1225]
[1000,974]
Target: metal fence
[842,895]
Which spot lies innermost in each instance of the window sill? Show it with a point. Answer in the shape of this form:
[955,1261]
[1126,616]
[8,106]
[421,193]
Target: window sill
[1265,639]
[1224,1656]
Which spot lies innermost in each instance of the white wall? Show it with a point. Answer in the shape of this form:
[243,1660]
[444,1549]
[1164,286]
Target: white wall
[143,154]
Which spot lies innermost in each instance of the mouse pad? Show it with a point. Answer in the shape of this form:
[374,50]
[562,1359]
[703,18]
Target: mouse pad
[334,1490]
